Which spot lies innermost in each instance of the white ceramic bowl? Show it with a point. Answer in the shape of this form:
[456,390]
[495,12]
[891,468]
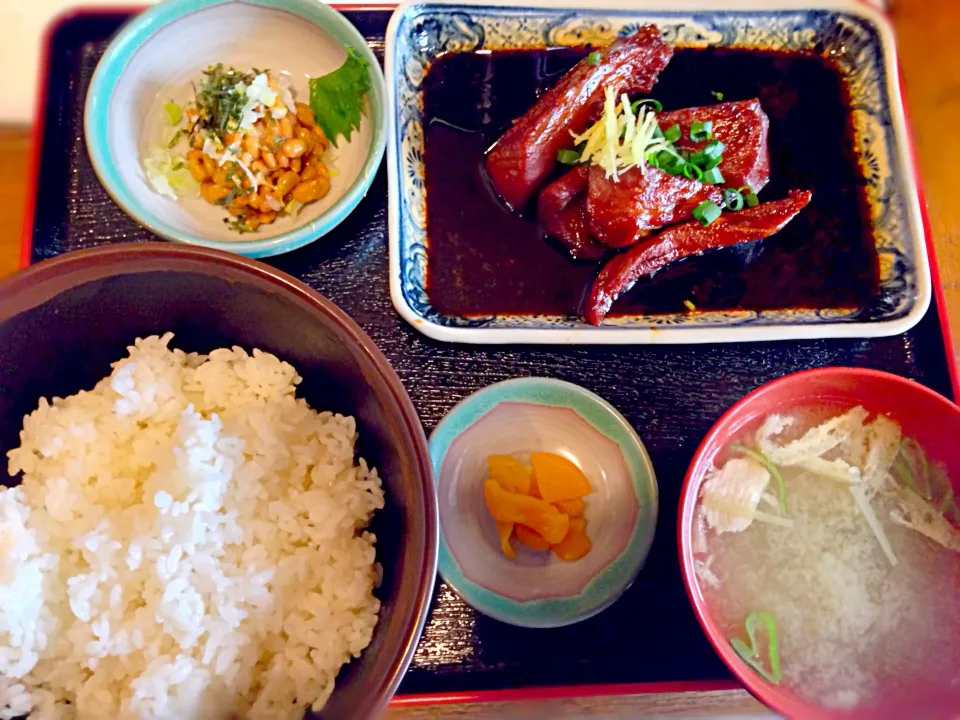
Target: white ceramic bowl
[157,56]
[517,417]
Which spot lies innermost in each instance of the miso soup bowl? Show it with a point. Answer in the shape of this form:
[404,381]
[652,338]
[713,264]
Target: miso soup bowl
[924,415]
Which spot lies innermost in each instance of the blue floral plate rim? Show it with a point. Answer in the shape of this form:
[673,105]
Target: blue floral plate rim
[906,288]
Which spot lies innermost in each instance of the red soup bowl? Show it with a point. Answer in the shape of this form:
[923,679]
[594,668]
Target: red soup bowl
[924,415]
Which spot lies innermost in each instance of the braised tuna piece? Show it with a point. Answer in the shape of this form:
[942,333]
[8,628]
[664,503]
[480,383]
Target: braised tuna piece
[622,211]
[741,126]
[562,211]
[691,238]
[521,160]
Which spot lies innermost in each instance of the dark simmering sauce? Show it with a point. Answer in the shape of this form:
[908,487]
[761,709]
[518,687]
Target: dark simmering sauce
[484,259]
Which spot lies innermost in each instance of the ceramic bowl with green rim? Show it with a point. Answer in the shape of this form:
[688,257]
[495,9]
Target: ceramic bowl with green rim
[158,55]
[518,417]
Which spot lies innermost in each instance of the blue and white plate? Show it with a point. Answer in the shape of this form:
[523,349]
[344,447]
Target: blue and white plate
[858,37]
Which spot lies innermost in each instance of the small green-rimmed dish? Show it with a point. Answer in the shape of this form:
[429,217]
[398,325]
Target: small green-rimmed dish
[154,59]
[517,417]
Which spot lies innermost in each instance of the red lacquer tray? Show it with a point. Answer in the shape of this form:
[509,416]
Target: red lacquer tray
[649,641]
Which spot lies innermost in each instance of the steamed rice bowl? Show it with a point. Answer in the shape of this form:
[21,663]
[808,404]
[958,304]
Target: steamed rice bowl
[187,541]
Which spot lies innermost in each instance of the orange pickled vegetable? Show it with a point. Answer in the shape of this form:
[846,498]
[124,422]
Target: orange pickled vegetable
[536,514]
[576,544]
[505,530]
[531,538]
[534,490]
[573,507]
[512,474]
[558,478]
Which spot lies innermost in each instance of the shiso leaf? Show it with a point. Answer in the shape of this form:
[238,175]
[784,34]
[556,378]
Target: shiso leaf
[338,98]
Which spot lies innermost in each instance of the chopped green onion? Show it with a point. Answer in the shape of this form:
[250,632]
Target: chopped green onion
[710,156]
[717,95]
[668,161]
[701,131]
[174,112]
[672,133]
[771,468]
[568,157]
[238,224]
[176,138]
[749,196]
[657,132]
[692,172]
[655,104]
[940,485]
[706,212]
[925,472]
[704,162]
[750,653]
[713,176]
[231,196]
[918,484]
[732,200]
[593,58]
[713,149]
[903,473]
[671,161]
[293,208]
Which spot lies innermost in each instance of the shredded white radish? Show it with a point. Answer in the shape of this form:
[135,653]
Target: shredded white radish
[729,508]
[771,500]
[883,445]
[917,514]
[836,470]
[814,443]
[874,522]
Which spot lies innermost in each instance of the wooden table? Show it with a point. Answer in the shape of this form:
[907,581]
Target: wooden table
[929,42]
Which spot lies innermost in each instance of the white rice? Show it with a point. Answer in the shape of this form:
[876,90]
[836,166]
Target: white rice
[187,542]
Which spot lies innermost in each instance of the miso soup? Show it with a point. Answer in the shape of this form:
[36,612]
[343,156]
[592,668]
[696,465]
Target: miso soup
[834,542]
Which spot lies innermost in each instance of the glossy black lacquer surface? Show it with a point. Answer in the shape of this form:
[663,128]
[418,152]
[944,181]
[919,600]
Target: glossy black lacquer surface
[672,395]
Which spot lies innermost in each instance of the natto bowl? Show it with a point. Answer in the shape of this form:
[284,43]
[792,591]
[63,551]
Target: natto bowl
[63,321]
[156,57]
[924,415]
